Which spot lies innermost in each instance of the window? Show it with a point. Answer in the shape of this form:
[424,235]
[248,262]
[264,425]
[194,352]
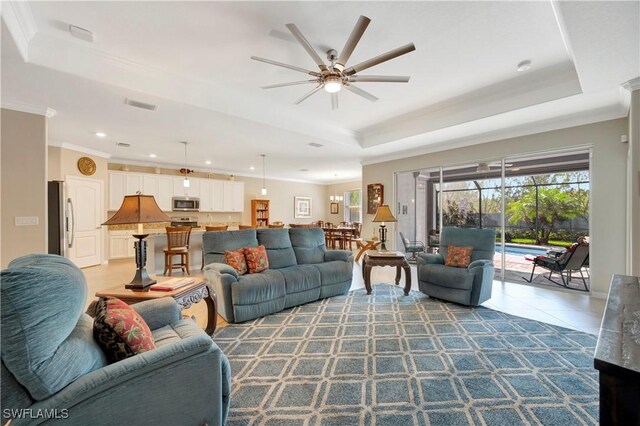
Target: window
[353,206]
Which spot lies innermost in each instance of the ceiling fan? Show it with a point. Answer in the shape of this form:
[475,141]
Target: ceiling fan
[336,75]
[487,167]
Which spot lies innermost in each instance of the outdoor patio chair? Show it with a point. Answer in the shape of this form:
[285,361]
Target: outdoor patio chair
[573,260]
[413,247]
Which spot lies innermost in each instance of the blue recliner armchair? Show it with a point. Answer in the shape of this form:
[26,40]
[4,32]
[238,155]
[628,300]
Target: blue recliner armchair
[468,286]
[54,372]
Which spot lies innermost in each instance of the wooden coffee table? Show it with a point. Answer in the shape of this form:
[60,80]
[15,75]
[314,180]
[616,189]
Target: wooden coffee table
[185,297]
[386,258]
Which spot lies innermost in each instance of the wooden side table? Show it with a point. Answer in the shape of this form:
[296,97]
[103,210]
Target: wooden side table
[185,297]
[386,258]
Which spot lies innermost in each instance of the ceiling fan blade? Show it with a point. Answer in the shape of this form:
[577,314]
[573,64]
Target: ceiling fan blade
[359,91]
[334,101]
[308,94]
[293,83]
[380,59]
[280,64]
[379,78]
[307,46]
[352,41]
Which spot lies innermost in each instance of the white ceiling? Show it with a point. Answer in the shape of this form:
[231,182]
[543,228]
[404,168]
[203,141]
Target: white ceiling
[192,59]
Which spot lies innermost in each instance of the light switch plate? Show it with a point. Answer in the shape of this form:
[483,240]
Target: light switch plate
[26,220]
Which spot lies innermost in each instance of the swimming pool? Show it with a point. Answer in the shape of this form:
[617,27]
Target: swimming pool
[520,250]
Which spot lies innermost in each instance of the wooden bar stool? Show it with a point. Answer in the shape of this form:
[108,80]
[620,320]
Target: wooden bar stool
[211,229]
[177,245]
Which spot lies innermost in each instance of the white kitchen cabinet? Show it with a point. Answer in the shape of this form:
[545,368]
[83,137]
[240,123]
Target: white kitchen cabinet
[161,187]
[116,190]
[180,191]
[150,185]
[121,245]
[205,195]
[132,183]
[233,196]
[217,195]
[165,192]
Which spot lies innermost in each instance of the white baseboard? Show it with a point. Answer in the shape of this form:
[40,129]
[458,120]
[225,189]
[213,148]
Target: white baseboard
[596,295]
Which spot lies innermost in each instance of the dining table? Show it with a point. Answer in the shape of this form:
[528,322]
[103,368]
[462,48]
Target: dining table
[339,234]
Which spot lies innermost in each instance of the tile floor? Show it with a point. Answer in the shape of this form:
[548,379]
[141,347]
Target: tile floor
[561,307]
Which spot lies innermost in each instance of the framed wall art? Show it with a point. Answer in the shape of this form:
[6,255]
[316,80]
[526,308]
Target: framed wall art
[375,197]
[334,208]
[302,207]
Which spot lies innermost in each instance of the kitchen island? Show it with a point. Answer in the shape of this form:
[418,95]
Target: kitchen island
[157,242]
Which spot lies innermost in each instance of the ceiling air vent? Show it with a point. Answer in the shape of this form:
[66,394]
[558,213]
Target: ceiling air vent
[315,145]
[123,144]
[139,104]
[81,33]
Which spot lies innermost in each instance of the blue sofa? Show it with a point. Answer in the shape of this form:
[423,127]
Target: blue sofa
[301,270]
[468,286]
[50,360]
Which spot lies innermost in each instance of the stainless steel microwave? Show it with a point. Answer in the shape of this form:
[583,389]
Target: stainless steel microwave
[185,204]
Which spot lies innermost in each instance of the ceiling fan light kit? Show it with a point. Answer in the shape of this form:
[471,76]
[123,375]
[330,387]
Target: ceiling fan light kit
[335,76]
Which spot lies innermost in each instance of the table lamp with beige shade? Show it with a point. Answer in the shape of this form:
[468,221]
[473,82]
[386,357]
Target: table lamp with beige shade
[383,214]
[139,209]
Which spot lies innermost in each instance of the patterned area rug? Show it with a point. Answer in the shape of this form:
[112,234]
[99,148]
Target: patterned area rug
[390,359]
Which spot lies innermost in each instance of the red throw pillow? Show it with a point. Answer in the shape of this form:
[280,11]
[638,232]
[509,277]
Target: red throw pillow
[257,260]
[460,257]
[120,331]
[235,259]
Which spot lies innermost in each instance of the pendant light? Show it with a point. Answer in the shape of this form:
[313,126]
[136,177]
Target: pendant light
[185,182]
[335,197]
[264,186]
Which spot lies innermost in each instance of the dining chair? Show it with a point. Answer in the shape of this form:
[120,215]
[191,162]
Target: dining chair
[177,245]
[276,225]
[354,235]
[212,229]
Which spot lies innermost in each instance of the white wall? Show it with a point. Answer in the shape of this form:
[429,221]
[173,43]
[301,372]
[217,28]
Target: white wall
[608,184]
[338,189]
[24,183]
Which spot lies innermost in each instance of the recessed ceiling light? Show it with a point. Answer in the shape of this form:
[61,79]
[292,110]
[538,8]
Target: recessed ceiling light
[152,155]
[207,162]
[252,168]
[100,134]
[524,65]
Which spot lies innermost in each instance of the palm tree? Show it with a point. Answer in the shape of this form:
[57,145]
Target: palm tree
[552,203]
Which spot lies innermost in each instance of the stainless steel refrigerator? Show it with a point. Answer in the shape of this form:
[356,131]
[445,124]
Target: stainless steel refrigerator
[61,220]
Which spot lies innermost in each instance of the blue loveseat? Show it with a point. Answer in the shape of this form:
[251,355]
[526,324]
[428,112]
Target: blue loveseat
[301,270]
[50,360]
[467,286]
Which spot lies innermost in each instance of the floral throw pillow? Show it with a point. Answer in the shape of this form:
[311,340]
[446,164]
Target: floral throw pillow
[460,257]
[235,259]
[120,331]
[257,260]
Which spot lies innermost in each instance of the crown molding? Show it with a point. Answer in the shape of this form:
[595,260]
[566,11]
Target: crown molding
[632,85]
[79,148]
[31,109]
[19,20]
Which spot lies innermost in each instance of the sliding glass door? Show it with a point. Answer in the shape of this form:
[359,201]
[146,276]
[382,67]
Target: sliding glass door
[539,203]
